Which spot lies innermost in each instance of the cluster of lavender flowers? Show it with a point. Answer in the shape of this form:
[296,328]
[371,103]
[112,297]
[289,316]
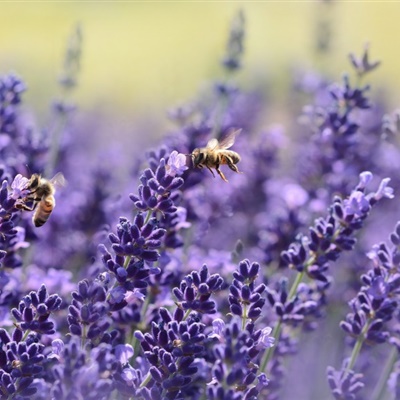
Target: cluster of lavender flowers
[270,286]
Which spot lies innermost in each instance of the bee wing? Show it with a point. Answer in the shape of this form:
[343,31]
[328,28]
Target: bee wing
[229,139]
[58,180]
[212,144]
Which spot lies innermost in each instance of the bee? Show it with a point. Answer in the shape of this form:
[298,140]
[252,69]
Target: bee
[216,154]
[42,195]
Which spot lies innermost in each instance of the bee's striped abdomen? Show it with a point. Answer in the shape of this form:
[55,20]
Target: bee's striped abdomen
[43,211]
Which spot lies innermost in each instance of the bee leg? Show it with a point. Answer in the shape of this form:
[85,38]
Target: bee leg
[231,165]
[211,171]
[220,173]
[22,206]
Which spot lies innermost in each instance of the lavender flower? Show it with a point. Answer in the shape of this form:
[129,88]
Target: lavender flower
[393,381]
[329,237]
[21,362]
[373,308]
[19,187]
[344,384]
[151,299]
[245,298]
[139,239]
[195,290]
[11,88]
[88,314]
[362,64]
[34,310]
[234,370]
[235,46]
[78,375]
[155,191]
[292,311]
[171,349]
[72,59]
[176,164]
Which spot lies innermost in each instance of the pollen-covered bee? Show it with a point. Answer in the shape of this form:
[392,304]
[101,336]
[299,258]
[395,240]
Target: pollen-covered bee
[216,154]
[41,193]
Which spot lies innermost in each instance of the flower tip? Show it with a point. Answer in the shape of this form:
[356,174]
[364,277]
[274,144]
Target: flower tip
[366,175]
[384,190]
[123,353]
[365,178]
[176,164]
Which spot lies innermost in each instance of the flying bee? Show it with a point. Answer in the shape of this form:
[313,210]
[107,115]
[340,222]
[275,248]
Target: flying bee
[42,195]
[216,154]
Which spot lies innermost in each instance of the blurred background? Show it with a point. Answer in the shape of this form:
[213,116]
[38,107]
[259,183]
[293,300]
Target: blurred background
[141,58]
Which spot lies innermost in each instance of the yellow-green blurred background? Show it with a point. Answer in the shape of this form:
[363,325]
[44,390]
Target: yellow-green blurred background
[140,58]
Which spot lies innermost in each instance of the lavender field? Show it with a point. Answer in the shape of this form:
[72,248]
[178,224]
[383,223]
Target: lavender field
[266,268]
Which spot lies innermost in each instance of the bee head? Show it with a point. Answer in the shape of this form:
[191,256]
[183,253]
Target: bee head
[34,181]
[197,157]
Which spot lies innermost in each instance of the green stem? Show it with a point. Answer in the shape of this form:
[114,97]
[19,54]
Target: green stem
[145,307]
[135,342]
[186,314]
[270,351]
[357,346]
[146,380]
[136,347]
[244,316]
[83,337]
[25,335]
[278,327]
[380,387]
[148,216]
[296,284]
[127,261]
